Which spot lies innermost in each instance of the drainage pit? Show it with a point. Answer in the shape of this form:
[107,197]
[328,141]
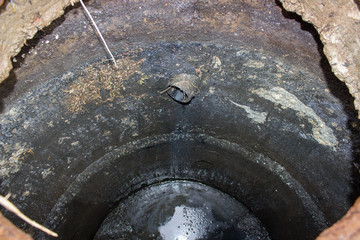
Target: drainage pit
[181,210]
[264,149]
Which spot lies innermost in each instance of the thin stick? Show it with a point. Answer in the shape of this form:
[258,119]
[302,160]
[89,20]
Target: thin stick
[166,90]
[98,31]
[11,207]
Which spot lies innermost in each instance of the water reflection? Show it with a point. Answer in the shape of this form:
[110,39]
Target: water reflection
[187,223]
[181,210]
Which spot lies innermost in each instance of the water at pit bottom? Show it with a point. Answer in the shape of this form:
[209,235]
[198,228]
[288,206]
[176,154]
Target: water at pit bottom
[179,210]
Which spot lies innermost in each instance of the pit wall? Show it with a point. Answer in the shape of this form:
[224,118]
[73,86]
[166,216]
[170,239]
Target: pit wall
[337,22]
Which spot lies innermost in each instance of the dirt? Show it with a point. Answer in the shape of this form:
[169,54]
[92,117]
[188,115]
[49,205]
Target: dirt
[9,231]
[347,228]
[338,23]
[99,83]
[22,19]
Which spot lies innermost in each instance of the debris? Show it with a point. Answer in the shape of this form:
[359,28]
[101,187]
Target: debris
[216,62]
[99,83]
[183,88]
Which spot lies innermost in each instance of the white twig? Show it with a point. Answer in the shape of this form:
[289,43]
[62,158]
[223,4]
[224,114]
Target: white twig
[11,207]
[98,31]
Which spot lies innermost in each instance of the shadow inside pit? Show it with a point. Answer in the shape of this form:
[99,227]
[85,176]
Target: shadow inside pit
[357,2]
[340,91]
[3,4]
[6,87]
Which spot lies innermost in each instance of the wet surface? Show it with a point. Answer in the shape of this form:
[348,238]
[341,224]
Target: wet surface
[265,126]
[181,210]
[94,128]
[70,41]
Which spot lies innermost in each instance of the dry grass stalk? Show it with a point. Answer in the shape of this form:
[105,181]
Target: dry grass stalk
[11,207]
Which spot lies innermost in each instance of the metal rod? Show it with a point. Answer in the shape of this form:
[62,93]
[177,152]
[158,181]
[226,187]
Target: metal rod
[98,31]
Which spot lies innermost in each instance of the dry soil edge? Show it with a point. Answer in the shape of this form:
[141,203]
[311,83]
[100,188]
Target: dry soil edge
[21,21]
[338,23]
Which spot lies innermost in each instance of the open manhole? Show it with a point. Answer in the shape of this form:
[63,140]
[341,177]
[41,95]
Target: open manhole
[222,121]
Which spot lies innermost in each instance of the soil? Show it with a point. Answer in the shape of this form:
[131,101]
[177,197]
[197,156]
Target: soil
[337,22]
